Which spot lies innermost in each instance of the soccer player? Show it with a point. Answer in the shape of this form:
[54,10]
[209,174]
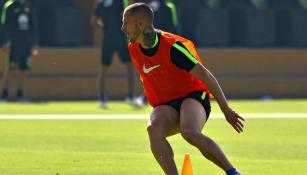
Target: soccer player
[165,15]
[107,16]
[167,19]
[20,27]
[177,85]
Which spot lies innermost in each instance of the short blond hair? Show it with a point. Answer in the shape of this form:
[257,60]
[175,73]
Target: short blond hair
[140,10]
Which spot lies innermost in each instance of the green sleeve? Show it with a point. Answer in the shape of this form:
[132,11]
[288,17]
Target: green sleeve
[172,6]
[4,11]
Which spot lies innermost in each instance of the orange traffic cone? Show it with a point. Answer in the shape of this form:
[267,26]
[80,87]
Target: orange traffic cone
[187,165]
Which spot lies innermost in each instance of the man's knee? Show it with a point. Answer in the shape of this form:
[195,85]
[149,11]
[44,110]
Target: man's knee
[190,135]
[103,71]
[155,128]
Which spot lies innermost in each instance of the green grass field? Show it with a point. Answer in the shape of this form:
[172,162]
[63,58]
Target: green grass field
[92,107]
[117,147]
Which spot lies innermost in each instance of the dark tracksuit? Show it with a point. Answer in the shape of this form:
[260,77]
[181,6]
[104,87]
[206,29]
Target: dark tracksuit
[114,40]
[164,16]
[20,29]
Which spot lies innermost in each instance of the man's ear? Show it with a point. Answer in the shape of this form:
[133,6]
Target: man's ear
[140,24]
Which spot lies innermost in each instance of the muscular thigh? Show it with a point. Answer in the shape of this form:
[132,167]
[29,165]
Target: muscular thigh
[192,115]
[166,119]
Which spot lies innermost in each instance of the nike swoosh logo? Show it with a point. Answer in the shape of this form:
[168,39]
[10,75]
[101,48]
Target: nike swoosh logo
[147,70]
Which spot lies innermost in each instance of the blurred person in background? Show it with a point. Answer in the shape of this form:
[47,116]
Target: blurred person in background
[165,15]
[107,16]
[18,20]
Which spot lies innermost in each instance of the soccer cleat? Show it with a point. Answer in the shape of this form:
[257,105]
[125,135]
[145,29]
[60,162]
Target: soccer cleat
[236,173]
[103,104]
[136,102]
[3,100]
[23,100]
[130,100]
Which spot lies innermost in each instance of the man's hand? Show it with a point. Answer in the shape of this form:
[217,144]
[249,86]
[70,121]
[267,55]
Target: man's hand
[35,50]
[234,119]
[97,21]
[100,23]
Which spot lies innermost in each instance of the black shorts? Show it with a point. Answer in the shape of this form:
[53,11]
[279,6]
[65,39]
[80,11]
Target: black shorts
[110,45]
[20,55]
[197,95]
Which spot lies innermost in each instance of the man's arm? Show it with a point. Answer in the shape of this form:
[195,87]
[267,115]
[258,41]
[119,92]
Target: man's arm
[96,19]
[34,26]
[34,31]
[4,20]
[205,75]
[183,59]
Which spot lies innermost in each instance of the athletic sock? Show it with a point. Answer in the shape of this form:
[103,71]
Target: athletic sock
[5,93]
[231,171]
[19,94]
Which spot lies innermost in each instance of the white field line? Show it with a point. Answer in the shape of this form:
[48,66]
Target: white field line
[134,116]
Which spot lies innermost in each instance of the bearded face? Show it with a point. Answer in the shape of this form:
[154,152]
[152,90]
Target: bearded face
[130,28]
[133,36]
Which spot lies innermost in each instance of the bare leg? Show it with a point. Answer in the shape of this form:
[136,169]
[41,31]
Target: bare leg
[163,122]
[6,78]
[193,118]
[21,76]
[130,79]
[102,77]
[6,82]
